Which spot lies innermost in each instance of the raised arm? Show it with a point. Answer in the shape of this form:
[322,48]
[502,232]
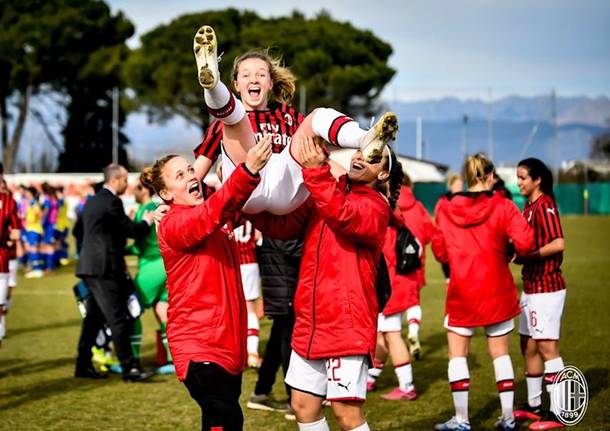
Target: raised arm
[208,151]
[187,229]
[364,220]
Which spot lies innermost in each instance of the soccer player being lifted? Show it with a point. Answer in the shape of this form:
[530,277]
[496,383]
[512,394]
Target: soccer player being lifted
[259,79]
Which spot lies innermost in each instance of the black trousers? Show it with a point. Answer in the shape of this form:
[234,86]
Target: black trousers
[108,303]
[217,393]
[277,353]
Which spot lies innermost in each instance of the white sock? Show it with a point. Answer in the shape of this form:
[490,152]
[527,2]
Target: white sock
[414,319]
[375,371]
[253,333]
[534,390]
[505,382]
[3,302]
[405,376]
[320,425]
[2,326]
[551,368]
[363,427]
[413,329]
[336,128]
[223,105]
[459,379]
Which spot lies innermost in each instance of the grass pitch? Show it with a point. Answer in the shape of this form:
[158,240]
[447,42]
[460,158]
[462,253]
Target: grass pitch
[38,392]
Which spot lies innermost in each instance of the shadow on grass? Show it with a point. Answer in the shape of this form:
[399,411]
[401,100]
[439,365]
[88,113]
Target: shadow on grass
[597,380]
[32,367]
[56,325]
[15,398]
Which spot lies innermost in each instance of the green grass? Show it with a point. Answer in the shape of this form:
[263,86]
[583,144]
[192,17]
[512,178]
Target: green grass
[38,392]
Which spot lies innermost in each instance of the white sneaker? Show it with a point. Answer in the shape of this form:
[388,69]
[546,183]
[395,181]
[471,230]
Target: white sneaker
[35,273]
[204,46]
[376,138]
[453,425]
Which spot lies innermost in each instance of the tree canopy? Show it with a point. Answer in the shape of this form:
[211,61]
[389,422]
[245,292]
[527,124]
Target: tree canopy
[339,65]
[75,47]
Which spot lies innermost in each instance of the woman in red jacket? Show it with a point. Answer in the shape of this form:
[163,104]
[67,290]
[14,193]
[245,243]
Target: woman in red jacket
[473,230]
[206,325]
[343,224]
[417,219]
[389,324]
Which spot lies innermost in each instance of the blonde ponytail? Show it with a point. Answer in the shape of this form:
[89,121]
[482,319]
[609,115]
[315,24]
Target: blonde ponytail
[476,168]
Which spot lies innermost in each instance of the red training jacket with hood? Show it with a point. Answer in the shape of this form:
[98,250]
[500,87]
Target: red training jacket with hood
[343,226]
[206,318]
[405,287]
[417,219]
[472,234]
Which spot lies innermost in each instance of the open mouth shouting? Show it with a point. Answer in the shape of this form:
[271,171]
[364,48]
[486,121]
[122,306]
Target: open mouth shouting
[254,91]
[357,166]
[195,189]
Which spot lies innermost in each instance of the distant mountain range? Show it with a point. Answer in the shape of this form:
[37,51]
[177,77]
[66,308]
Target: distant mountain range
[581,110]
[521,126]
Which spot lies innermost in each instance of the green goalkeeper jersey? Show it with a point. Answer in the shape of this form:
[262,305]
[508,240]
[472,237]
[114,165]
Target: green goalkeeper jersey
[147,248]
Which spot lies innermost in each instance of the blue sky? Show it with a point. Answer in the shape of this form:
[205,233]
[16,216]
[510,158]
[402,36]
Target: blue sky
[461,48]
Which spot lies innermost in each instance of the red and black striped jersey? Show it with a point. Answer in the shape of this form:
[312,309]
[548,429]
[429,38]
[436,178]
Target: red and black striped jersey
[543,275]
[246,243]
[280,121]
[9,217]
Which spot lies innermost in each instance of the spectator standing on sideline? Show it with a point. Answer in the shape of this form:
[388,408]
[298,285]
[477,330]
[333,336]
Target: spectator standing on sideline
[104,228]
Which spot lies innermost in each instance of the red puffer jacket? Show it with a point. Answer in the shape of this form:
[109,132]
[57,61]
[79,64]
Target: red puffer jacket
[206,319]
[405,288]
[343,226]
[417,219]
[472,234]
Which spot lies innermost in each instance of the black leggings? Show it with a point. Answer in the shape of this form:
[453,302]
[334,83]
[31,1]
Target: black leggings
[217,393]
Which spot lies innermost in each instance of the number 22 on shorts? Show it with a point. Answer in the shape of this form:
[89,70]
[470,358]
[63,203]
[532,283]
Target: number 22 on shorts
[333,364]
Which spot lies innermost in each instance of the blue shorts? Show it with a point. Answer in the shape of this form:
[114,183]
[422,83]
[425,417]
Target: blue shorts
[60,235]
[32,237]
[49,234]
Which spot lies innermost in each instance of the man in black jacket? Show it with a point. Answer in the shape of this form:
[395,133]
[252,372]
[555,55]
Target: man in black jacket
[104,228]
[279,263]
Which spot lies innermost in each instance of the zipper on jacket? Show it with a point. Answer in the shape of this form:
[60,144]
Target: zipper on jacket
[237,273]
[315,283]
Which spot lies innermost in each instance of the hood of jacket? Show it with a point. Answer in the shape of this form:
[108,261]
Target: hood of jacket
[470,208]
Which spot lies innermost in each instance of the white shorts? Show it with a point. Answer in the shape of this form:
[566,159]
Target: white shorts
[391,323]
[250,279]
[281,189]
[336,379]
[12,272]
[495,330]
[541,314]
